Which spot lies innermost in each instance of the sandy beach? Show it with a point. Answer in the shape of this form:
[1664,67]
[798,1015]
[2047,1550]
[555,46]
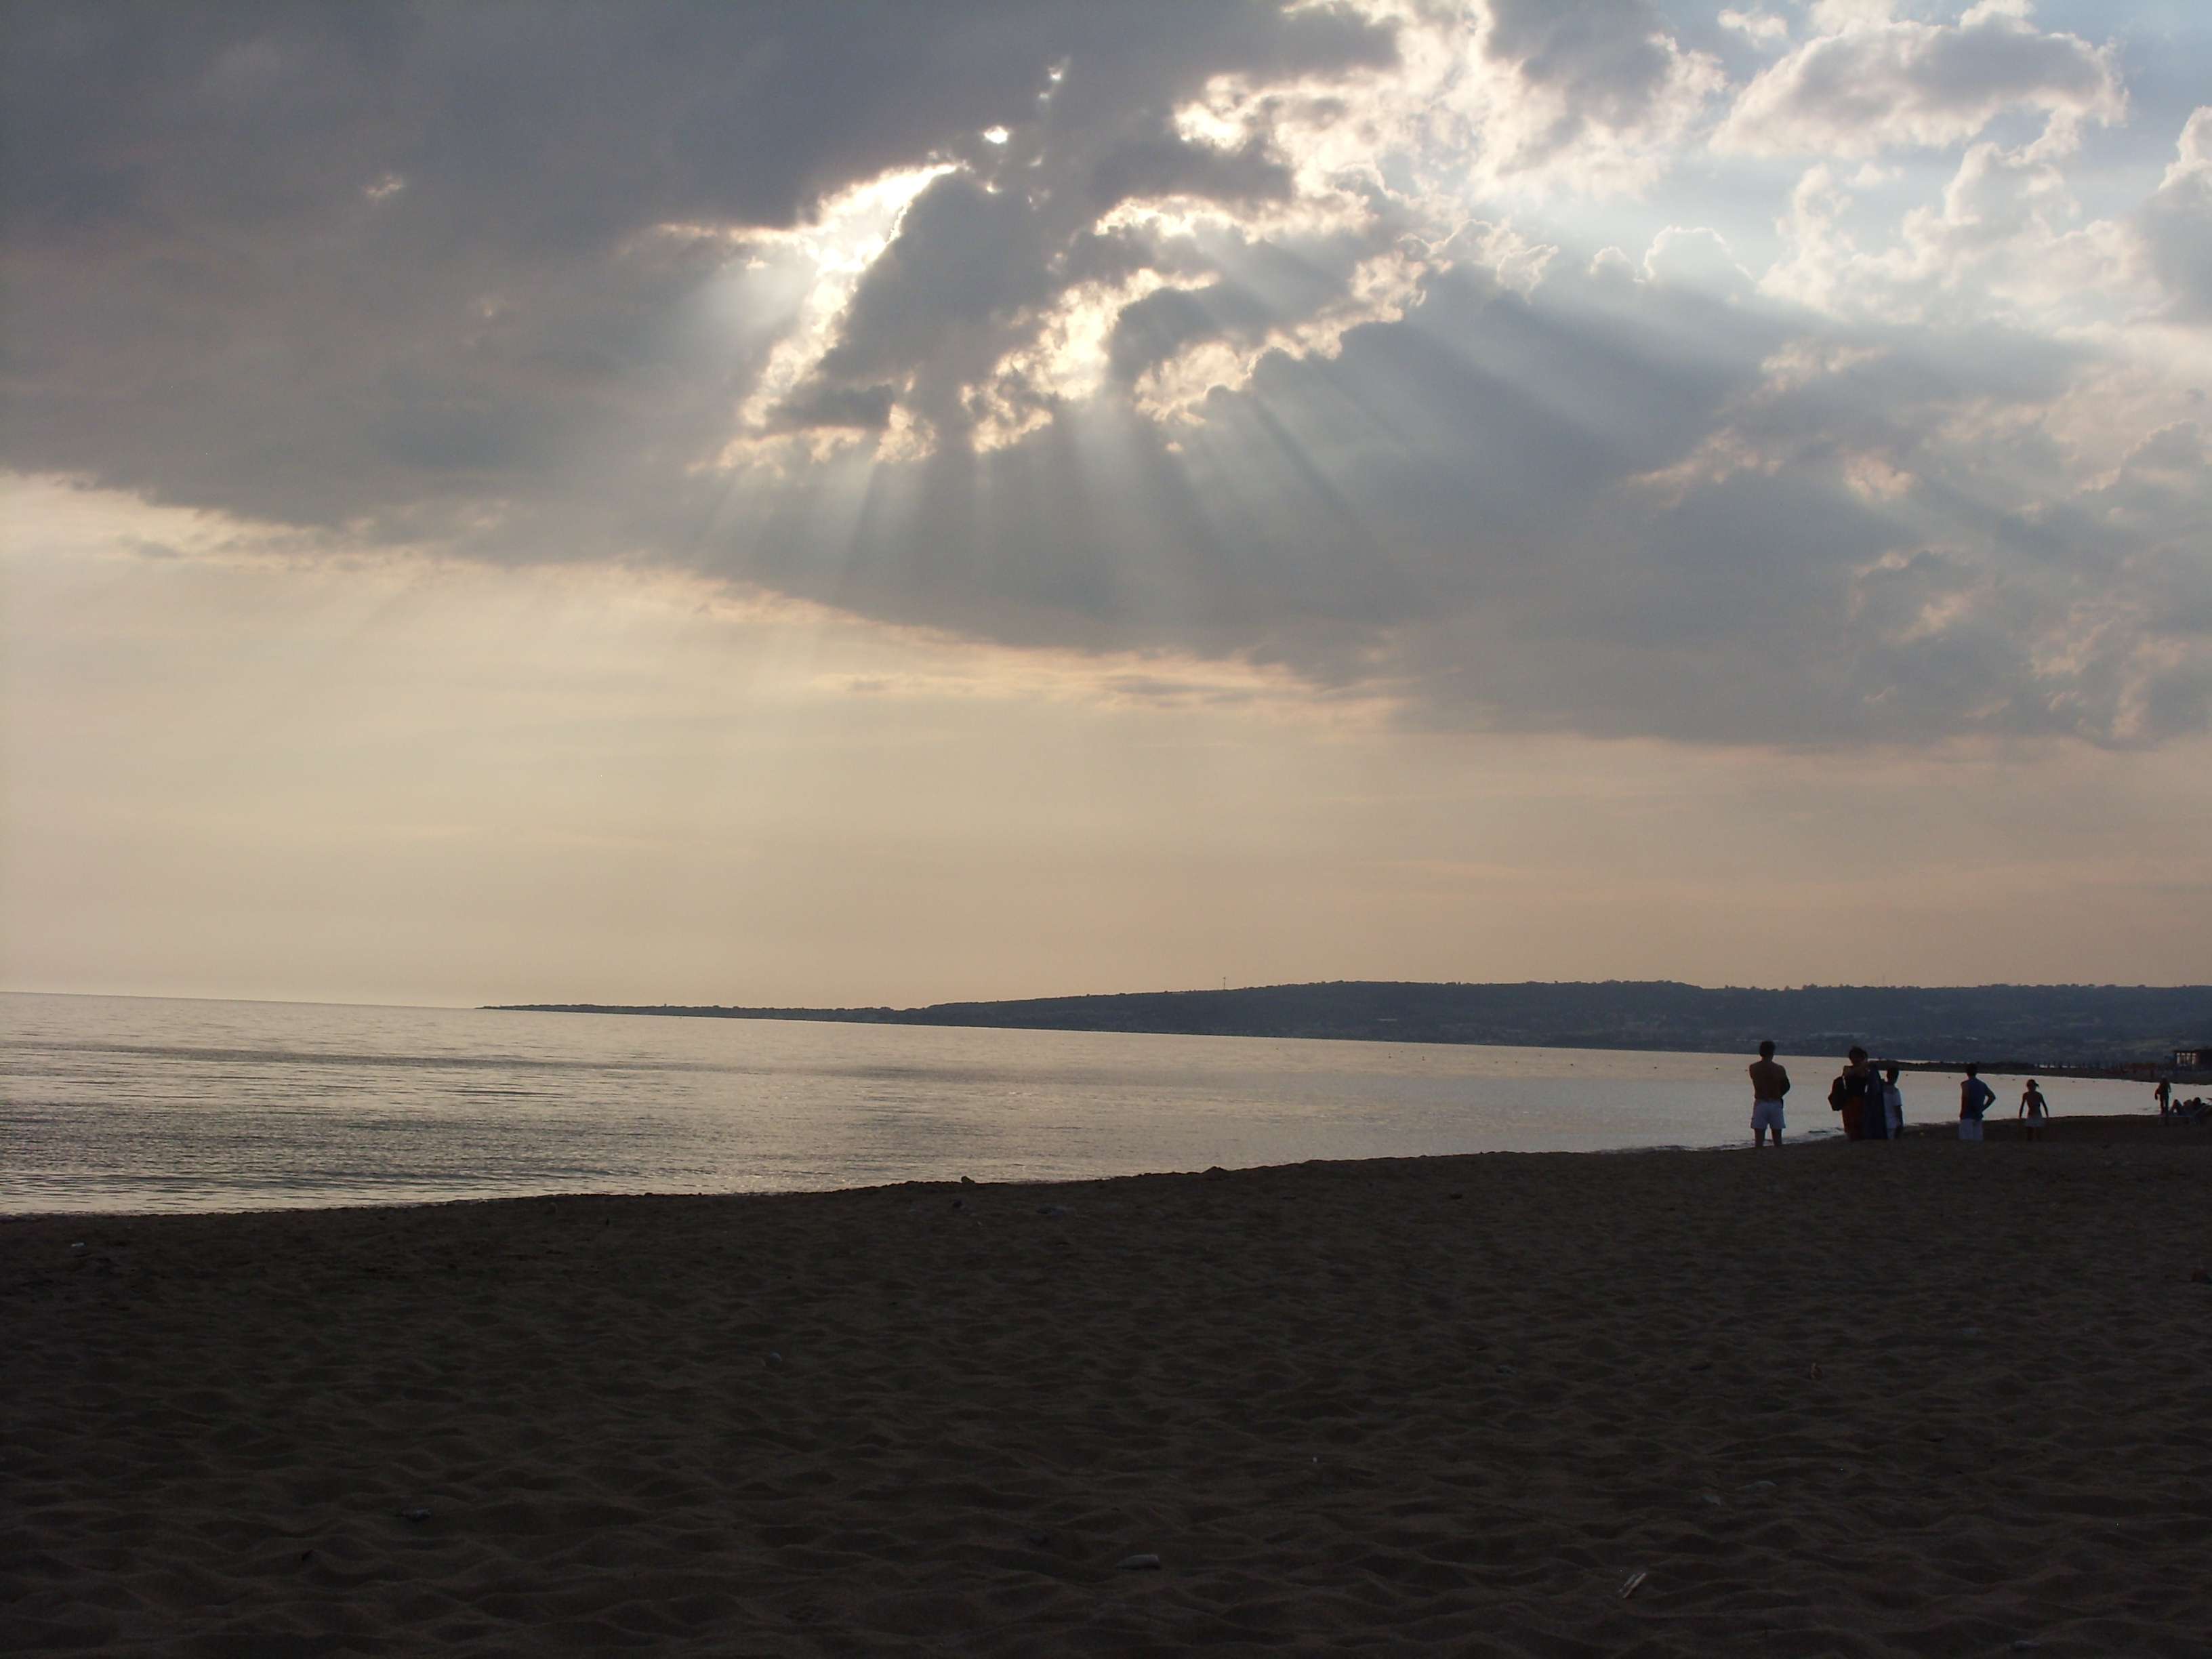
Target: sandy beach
[1920,1399]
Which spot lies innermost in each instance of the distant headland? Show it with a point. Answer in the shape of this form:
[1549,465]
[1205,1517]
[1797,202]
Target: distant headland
[2120,1030]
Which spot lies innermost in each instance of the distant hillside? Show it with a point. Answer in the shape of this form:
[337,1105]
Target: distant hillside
[2042,1025]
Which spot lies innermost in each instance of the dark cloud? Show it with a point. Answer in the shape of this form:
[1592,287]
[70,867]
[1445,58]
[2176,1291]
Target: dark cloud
[505,281]
[568,124]
[1166,165]
[862,408]
[1633,514]
[246,242]
[1598,86]
[1609,56]
[962,256]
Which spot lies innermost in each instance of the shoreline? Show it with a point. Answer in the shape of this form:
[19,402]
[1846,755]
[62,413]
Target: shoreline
[2085,1127]
[1432,1405]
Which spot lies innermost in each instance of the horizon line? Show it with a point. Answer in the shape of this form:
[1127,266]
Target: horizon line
[1063,996]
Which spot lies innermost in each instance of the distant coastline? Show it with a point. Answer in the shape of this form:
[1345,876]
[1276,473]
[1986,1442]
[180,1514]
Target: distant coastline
[2085,1030]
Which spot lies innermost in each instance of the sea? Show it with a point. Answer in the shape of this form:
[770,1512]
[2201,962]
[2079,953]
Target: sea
[155,1104]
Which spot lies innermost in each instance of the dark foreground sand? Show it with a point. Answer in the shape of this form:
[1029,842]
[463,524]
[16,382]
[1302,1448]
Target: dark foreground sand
[1923,1398]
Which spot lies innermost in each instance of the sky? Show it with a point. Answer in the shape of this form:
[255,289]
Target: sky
[877,503]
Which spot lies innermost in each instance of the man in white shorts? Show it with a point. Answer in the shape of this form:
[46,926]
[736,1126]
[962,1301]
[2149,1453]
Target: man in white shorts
[1769,1083]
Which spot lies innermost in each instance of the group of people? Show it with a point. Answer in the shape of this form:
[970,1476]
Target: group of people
[1871,1103]
[1976,1098]
[2196,1110]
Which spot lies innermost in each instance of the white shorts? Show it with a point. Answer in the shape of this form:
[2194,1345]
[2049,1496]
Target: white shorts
[1970,1129]
[1766,1115]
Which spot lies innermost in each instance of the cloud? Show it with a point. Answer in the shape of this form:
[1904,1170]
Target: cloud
[1696,257]
[419,257]
[2176,221]
[1165,166]
[2008,237]
[1761,28]
[1638,512]
[1593,91]
[1873,82]
[1885,541]
[1273,337]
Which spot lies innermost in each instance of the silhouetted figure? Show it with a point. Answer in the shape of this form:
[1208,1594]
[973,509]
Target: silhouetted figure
[1874,1122]
[1769,1083]
[2034,1109]
[1975,1097]
[1854,1095]
[2164,1095]
[1893,1104]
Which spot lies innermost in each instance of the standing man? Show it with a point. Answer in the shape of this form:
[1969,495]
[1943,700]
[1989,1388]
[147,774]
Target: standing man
[2164,1095]
[1893,1102]
[1769,1083]
[1975,1097]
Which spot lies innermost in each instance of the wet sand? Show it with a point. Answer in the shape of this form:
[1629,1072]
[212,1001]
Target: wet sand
[1923,1398]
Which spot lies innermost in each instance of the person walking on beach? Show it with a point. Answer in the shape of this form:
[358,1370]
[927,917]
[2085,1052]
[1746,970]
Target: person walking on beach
[1769,1083]
[2164,1095]
[1892,1103]
[1975,1097]
[2034,1109]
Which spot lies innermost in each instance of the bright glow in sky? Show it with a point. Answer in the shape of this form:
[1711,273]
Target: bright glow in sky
[666,503]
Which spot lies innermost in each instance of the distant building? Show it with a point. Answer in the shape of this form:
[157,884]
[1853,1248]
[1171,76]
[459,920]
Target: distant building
[2189,1059]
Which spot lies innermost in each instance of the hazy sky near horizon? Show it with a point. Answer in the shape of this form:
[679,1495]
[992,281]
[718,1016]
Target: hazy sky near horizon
[881,503]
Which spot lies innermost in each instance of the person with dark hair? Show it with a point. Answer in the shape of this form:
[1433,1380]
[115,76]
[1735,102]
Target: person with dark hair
[1853,1094]
[1892,1103]
[1874,1120]
[2034,1109]
[1769,1083]
[1975,1097]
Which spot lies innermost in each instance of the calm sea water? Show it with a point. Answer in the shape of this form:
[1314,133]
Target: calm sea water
[142,1103]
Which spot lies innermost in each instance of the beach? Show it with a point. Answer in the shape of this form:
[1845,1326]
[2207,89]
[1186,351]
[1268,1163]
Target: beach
[1922,1398]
